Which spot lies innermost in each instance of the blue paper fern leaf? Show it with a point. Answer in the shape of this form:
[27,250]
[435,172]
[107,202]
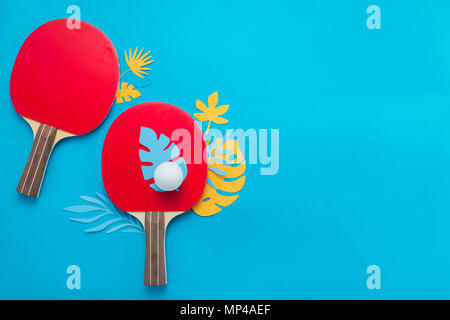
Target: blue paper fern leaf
[107,217]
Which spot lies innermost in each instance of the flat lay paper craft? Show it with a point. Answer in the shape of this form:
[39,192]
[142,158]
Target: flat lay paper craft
[154,167]
[63,84]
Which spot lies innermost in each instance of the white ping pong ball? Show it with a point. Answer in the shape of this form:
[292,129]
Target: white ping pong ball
[168,176]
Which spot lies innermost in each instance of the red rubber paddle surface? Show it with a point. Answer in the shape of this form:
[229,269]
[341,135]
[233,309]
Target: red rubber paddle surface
[65,78]
[121,166]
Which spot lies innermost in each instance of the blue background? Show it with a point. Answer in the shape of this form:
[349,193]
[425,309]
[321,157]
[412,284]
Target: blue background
[364,173]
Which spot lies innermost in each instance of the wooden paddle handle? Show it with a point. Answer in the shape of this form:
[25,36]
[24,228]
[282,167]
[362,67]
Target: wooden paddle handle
[155,257]
[31,180]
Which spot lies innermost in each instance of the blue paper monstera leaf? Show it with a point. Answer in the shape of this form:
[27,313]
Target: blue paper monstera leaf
[160,150]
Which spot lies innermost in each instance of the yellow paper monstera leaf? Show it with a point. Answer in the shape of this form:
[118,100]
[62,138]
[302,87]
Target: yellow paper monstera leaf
[125,91]
[226,168]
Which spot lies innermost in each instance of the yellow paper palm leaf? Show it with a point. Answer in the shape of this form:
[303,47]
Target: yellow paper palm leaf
[137,62]
[225,175]
[125,92]
[212,112]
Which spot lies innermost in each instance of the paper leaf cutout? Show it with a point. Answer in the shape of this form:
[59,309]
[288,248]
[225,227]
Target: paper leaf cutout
[83,208]
[92,200]
[211,113]
[104,225]
[137,63]
[104,198]
[125,92]
[111,219]
[213,100]
[88,220]
[160,150]
[226,168]
[227,152]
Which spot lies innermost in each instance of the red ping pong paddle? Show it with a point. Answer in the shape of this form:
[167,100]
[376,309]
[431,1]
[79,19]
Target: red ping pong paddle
[63,84]
[137,148]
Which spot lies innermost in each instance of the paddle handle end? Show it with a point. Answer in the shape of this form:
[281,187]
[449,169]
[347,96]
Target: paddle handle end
[33,174]
[155,257]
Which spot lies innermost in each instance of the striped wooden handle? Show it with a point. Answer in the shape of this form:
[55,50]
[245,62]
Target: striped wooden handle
[31,180]
[155,258]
